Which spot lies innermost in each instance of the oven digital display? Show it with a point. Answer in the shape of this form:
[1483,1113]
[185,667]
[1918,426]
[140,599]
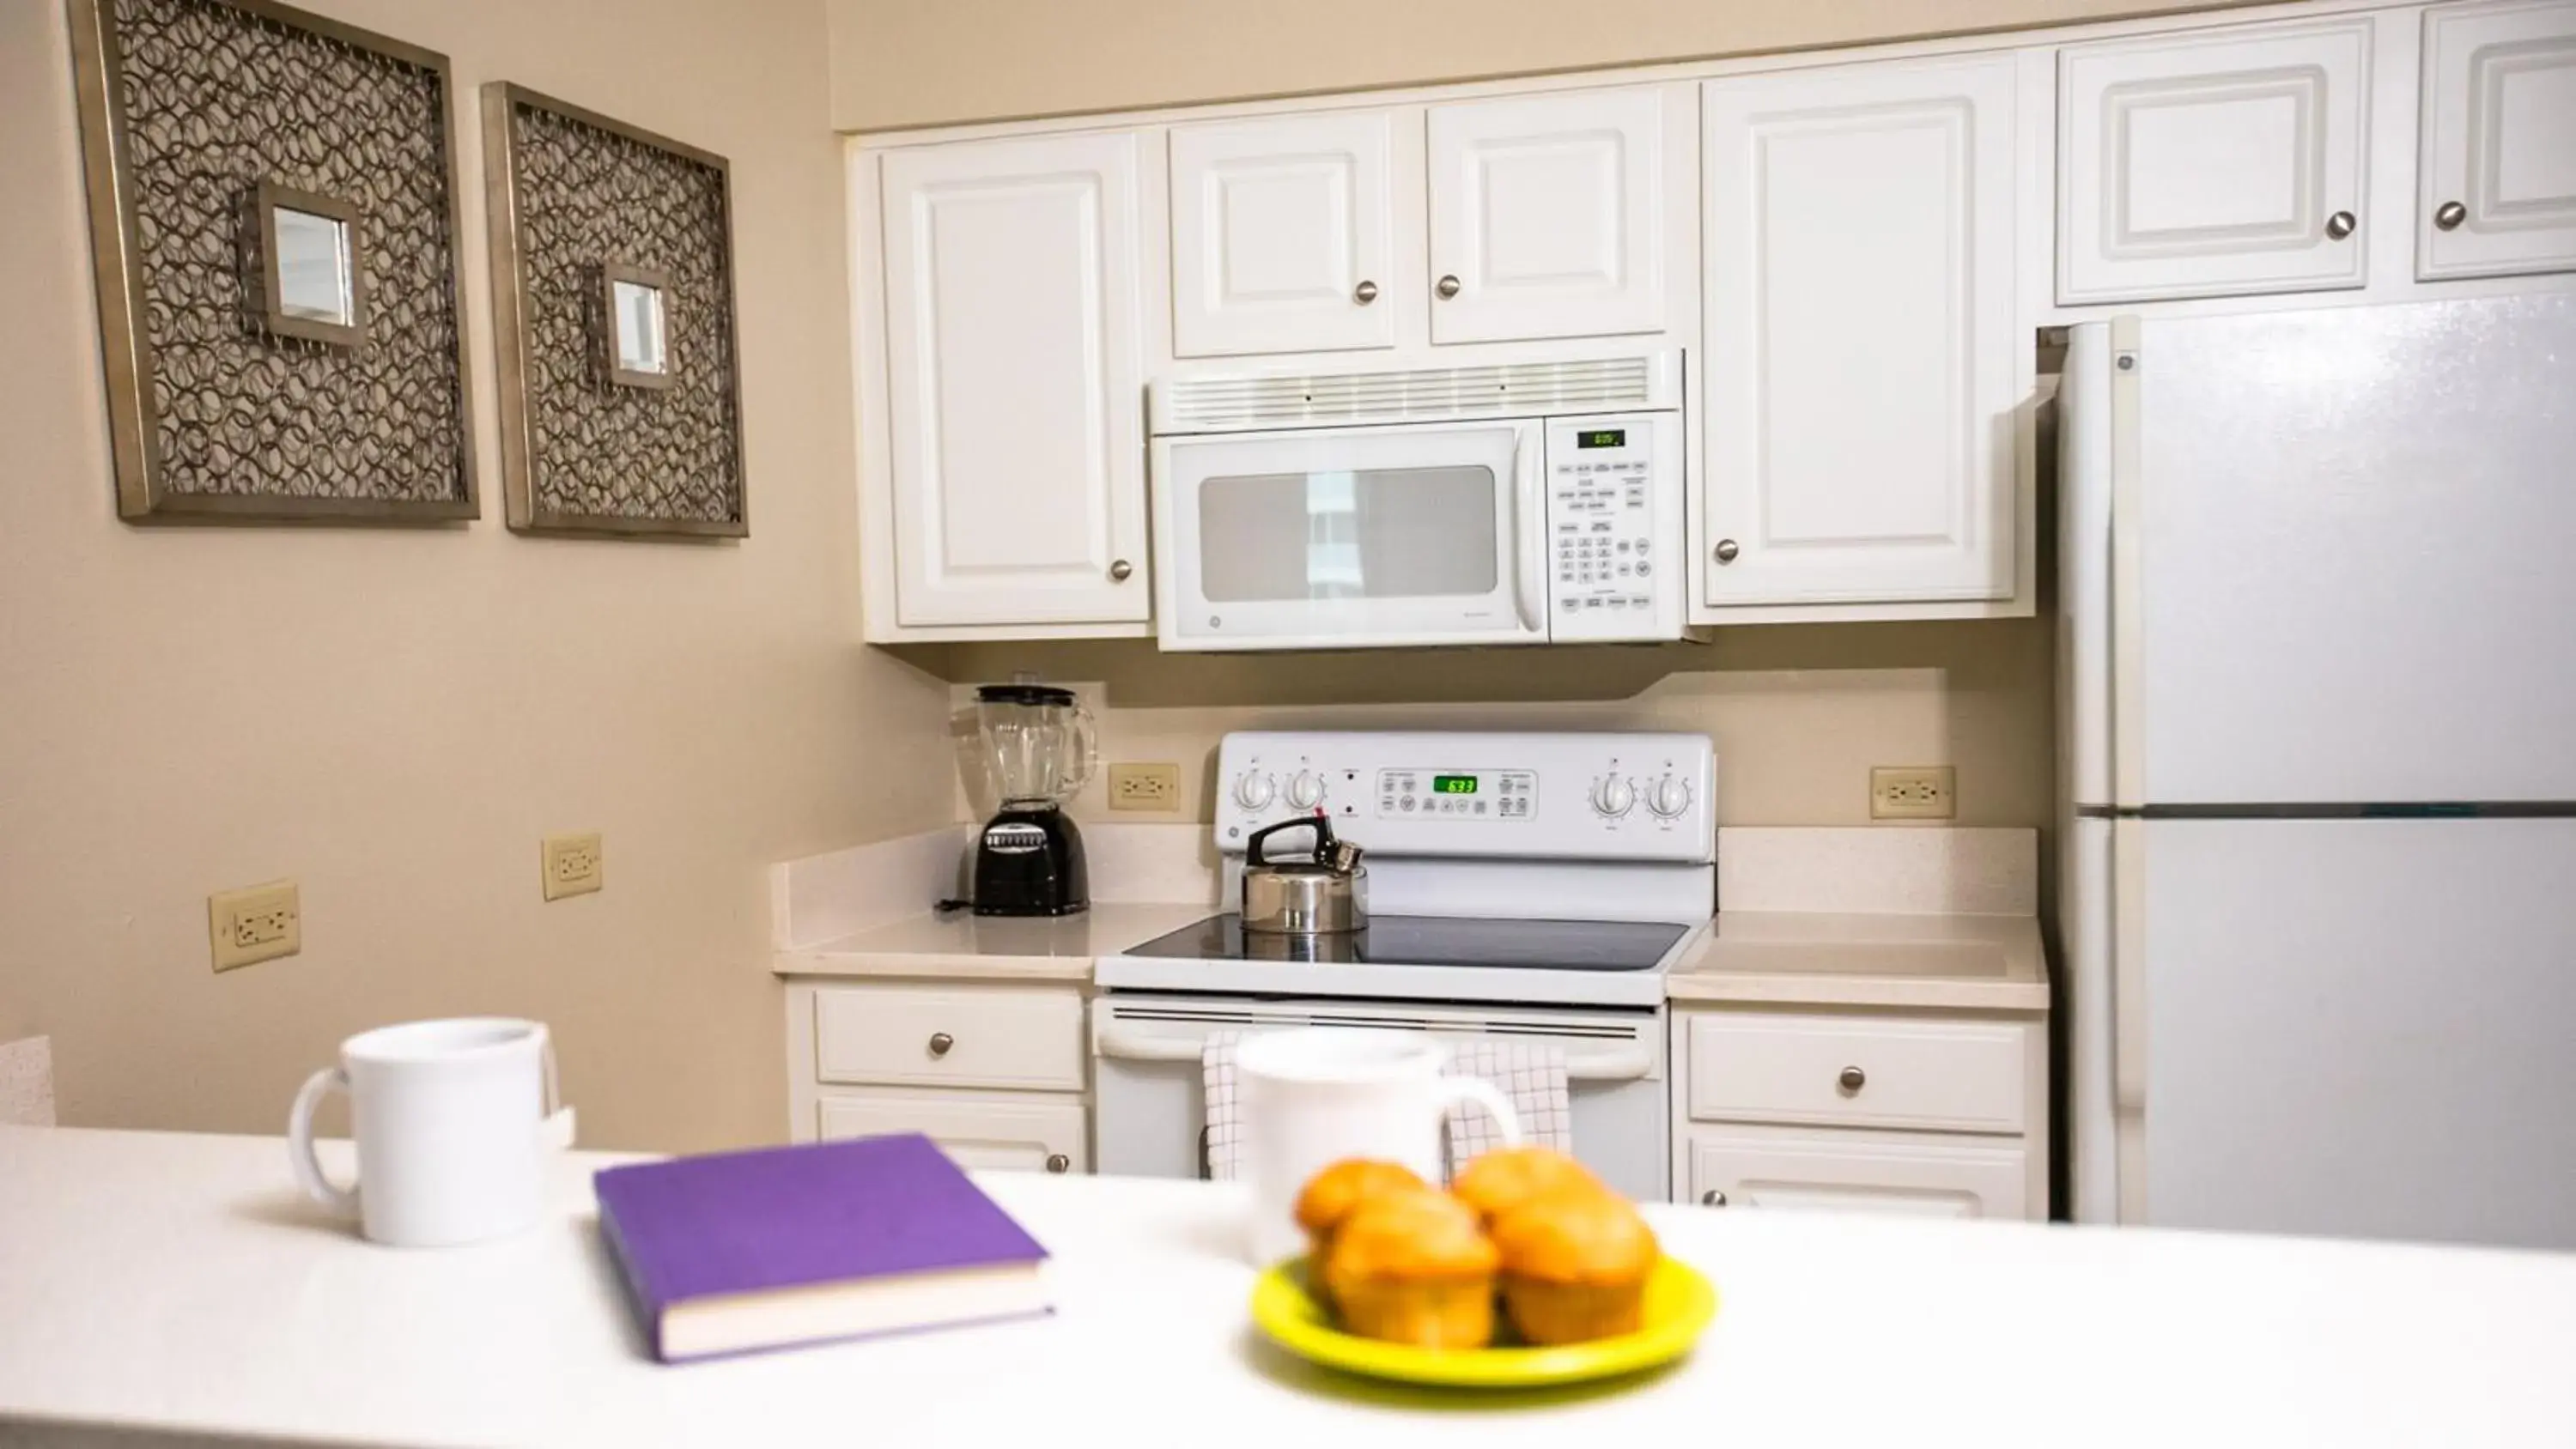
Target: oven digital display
[1453,784]
[1602,438]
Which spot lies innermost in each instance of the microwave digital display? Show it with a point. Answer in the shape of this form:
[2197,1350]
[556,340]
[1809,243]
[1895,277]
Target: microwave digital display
[1453,784]
[1602,438]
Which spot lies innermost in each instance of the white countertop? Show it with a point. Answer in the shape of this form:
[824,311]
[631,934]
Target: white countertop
[960,945]
[1977,963]
[179,1282]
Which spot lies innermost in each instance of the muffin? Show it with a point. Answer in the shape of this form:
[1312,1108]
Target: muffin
[1336,1192]
[1414,1267]
[1503,1179]
[1574,1265]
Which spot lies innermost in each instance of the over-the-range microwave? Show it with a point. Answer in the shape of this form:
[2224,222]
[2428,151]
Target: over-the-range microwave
[1519,503]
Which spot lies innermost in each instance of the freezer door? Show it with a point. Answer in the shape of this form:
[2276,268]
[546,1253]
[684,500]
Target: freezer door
[2353,532]
[2361,1028]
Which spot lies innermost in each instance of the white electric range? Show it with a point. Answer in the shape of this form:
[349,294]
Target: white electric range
[1524,885]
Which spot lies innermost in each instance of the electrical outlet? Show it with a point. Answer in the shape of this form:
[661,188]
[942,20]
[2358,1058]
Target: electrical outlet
[255,923]
[573,865]
[1919,792]
[1144,787]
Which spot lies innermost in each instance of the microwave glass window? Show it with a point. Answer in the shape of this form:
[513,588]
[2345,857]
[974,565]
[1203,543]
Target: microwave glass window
[1376,533]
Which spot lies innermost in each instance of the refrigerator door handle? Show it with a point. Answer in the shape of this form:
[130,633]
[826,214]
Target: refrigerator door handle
[2129,1012]
[2128,563]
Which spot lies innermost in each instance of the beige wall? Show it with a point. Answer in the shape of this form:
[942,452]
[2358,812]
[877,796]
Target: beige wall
[395,717]
[925,62]
[1800,714]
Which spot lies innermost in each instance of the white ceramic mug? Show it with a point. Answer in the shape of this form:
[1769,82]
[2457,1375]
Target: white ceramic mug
[1314,1096]
[454,1121]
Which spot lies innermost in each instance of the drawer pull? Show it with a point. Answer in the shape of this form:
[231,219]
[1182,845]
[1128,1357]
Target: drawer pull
[941,1041]
[1058,1162]
[1853,1079]
[1712,1198]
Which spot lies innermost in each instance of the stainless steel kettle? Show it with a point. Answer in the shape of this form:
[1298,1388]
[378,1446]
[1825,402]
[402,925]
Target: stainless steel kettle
[1325,895]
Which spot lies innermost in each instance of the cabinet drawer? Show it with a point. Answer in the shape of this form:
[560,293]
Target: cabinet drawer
[1027,1134]
[1961,1076]
[949,1037]
[1855,1172]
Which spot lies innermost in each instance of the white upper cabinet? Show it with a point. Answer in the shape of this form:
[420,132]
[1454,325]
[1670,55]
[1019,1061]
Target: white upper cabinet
[2226,163]
[2498,175]
[1283,236]
[1015,381]
[1859,356]
[1548,214]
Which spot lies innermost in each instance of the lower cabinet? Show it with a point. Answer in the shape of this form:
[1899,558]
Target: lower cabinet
[1929,1113]
[1856,1172]
[1029,1132]
[998,1074]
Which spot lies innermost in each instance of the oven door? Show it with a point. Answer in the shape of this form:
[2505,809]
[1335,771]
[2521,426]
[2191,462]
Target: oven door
[1150,1112]
[1343,537]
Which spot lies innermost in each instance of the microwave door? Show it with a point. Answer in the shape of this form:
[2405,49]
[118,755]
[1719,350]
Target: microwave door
[1351,537]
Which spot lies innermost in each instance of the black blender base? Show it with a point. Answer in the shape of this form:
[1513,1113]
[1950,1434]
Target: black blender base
[1029,862]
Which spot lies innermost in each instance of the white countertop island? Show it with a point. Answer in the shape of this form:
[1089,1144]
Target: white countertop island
[177,1282]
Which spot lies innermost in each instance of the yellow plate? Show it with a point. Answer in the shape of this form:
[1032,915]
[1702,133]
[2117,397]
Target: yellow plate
[1679,1303]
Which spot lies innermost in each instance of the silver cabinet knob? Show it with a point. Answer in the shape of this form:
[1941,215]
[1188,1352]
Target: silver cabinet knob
[1712,1198]
[1364,293]
[1446,286]
[1853,1079]
[1120,571]
[1726,550]
[1058,1162]
[2340,225]
[2449,215]
[940,1042]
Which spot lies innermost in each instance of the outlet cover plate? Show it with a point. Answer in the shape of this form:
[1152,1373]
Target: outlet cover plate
[254,924]
[1913,792]
[574,865]
[1144,787]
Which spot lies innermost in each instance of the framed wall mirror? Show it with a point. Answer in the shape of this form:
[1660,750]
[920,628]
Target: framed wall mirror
[634,340]
[302,276]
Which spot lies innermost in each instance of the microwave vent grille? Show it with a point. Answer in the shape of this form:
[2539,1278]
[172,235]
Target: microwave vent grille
[1512,389]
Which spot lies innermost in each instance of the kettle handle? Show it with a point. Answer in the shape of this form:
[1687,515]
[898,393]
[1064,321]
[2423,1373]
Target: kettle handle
[1254,853]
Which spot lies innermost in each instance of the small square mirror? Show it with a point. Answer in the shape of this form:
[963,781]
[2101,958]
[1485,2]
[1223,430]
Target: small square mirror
[637,341]
[301,265]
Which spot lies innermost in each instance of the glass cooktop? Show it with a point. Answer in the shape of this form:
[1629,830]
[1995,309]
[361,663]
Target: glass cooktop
[1434,941]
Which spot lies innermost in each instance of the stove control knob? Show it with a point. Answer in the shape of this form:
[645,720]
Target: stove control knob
[1306,791]
[1255,790]
[1670,797]
[1613,796]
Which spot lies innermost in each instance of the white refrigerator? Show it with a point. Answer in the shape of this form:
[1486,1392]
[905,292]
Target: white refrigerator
[2317,645]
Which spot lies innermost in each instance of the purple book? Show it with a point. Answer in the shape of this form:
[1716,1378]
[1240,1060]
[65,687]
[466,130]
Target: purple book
[742,1251]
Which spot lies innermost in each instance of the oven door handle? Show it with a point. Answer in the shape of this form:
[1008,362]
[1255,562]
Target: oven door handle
[1136,1046]
[1628,1063]
[1529,482]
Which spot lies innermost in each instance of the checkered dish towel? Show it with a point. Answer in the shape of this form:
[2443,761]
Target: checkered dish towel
[1531,1074]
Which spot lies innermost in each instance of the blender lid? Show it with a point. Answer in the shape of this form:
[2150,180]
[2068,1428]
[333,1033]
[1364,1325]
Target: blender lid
[1042,694]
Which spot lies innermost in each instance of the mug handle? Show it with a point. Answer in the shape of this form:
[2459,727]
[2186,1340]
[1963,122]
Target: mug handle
[1458,1092]
[299,1143]
[555,1126]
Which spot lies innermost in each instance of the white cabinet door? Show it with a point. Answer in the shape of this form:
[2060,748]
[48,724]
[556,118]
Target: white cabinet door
[2221,164]
[1854,1173]
[2499,166]
[1859,346]
[1030,1134]
[1015,381]
[1548,216]
[1283,236]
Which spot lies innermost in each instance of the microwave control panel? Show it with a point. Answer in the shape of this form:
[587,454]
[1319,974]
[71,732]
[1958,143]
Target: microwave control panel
[1614,521]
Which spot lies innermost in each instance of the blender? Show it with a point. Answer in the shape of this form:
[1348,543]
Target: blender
[1027,747]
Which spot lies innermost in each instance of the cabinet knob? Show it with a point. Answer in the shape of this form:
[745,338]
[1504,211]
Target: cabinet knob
[2340,225]
[1853,1079]
[1364,293]
[940,1042]
[1712,1198]
[1058,1162]
[2449,215]
[1120,571]
[1446,286]
[1726,550]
